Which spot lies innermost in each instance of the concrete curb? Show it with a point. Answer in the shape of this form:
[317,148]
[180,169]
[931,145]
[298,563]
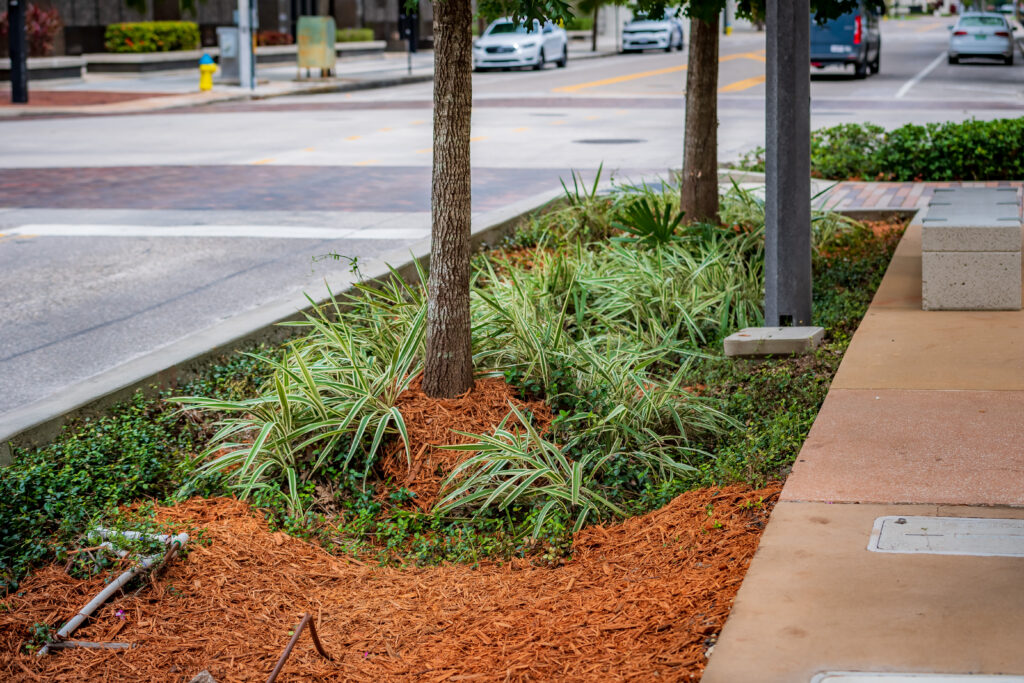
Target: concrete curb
[40,422]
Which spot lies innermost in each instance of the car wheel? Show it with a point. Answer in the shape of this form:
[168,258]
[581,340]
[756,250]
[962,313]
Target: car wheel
[1008,61]
[860,69]
[565,58]
[540,61]
[876,65]
[954,60]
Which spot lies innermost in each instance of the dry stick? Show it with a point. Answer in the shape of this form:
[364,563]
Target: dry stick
[306,621]
[68,644]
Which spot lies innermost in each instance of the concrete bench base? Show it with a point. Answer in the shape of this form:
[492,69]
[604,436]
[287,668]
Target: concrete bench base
[970,250]
[970,281]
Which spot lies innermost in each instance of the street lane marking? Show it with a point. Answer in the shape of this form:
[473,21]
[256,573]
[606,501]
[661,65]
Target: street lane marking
[353,137]
[308,149]
[417,122]
[560,122]
[479,138]
[366,162]
[383,130]
[523,129]
[743,85]
[262,161]
[301,232]
[917,79]
[657,72]
[929,27]
[591,118]
[425,150]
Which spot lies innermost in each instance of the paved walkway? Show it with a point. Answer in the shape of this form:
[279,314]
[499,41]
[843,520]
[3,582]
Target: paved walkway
[925,417]
[895,196]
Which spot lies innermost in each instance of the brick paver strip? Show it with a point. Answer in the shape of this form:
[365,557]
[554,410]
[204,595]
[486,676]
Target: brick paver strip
[309,188]
[79,98]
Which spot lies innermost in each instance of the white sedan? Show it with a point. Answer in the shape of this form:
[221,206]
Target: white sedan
[506,44]
[650,33]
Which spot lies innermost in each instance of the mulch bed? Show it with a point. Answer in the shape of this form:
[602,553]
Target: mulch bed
[642,599]
[432,422]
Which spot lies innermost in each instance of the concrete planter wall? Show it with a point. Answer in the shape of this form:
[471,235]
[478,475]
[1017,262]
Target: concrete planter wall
[43,68]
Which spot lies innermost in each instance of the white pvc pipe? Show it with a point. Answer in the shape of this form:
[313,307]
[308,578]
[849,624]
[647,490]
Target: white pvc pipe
[145,565]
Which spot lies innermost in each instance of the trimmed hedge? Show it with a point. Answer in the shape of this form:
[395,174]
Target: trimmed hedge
[152,36]
[967,150]
[354,35]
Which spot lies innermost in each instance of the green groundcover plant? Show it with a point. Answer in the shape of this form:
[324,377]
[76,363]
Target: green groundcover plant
[610,310]
[152,36]
[354,35]
[966,150]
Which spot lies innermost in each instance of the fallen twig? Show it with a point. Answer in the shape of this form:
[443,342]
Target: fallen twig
[306,621]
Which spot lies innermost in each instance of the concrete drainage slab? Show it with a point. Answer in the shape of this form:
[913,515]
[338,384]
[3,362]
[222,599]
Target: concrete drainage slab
[948,536]
[881,677]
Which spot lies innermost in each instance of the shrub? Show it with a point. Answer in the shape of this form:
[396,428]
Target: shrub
[273,38]
[966,150]
[579,24]
[41,27]
[354,35]
[152,36]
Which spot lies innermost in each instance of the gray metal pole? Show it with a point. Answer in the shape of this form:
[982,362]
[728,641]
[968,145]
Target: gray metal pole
[246,59]
[17,48]
[788,165]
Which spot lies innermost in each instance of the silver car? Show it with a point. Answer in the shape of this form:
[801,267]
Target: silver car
[981,34]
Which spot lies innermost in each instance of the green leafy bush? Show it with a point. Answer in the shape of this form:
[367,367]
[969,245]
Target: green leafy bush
[152,36]
[579,24]
[966,150]
[354,35]
[52,494]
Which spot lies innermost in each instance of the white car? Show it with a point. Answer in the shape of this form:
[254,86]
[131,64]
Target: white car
[506,44]
[981,34]
[649,33]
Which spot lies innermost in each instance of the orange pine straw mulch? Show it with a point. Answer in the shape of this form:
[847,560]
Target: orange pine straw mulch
[640,600]
[430,421]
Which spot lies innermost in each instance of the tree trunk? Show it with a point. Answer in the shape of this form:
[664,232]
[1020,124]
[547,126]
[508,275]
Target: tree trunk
[593,29]
[449,360]
[699,194]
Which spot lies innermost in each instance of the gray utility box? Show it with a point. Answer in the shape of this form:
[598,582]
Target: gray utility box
[970,250]
[227,42]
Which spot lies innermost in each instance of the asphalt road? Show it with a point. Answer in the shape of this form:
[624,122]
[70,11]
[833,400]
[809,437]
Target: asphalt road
[122,234]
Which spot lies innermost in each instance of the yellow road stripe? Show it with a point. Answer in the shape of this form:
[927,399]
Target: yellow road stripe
[366,163]
[929,27]
[262,161]
[559,122]
[520,130]
[743,85]
[425,150]
[383,130]
[591,118]
[309,149]
[657,72]
[416,122]
[478,138]
[353,137]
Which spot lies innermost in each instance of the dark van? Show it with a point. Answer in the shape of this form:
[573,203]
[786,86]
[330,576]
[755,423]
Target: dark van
[852,39]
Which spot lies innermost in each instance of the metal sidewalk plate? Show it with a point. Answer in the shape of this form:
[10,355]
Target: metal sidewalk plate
[880,677]
[948,536]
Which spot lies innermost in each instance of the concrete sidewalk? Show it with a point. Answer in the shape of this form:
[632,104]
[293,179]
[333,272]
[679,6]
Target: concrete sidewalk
[925,418]
[97,94]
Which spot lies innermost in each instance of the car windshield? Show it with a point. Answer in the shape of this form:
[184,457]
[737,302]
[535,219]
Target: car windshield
[508,27]
[982,21]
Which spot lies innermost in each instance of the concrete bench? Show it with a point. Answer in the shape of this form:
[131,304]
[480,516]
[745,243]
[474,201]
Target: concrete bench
[970,250]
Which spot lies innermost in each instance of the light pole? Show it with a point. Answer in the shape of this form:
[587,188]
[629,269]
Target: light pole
[788,165]
[246,58]
[18,51]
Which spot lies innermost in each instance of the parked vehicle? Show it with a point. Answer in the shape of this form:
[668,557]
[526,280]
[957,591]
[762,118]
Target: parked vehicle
[981,34]
[652,33]
[853,39]
[507,44]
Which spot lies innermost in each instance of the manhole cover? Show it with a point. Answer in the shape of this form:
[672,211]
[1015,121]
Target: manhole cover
[610,141]
[948,536]
[871,677]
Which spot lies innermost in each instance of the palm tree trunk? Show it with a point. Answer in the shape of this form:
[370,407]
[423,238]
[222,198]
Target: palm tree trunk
[699,193]
[449,359]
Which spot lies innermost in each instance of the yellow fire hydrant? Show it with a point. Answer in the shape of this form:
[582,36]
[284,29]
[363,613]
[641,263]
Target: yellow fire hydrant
[206,71]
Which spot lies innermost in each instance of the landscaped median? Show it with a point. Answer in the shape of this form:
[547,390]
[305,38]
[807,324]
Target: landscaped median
[601,489]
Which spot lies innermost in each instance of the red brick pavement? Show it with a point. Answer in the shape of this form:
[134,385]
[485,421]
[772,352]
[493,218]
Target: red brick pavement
[77,98]
[894,196]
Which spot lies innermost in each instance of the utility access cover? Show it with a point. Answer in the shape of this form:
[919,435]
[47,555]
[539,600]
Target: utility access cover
[872,677]
[948,536]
